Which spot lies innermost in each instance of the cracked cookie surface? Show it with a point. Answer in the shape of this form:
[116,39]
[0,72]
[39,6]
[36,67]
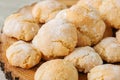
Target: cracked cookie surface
[57,38]
[105,72]
[109,49]
[46,10]
[57,69]
[89,25]
[111,14]
[84,58]
[22,54]
[21,27]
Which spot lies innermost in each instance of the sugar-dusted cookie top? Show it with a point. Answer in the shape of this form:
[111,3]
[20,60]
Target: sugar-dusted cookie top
[57,69]
[84,58]
[105,72]
[109,49]
[108,9]
[57,38]
[22,54]
[89,25]
[20,26]
[46,10]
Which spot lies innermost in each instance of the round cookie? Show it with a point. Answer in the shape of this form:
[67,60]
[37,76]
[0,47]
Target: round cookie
[57,38]
[118,36]
[57,69]
[104,72]
[22,54]
[111,14]
[89,25]
[84,58]
[46,10]
[20,26]
[109,49]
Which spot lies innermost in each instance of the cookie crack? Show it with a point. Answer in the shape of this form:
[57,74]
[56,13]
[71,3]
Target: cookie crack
[26,60]
[101,52]
[78,66]
[63,44]
[80,32]
[13,54]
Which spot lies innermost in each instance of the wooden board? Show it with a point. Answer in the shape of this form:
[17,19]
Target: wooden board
[15,73]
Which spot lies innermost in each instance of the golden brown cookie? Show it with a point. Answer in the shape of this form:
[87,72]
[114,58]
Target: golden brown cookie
[96,4]
[87,21]
[111,14]
[20,26]
[22,54]
[109,49]
[46,10]
[84,58]
[57,69]
[105,72]
[57,38]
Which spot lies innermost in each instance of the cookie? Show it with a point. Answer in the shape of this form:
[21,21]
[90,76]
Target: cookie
[57,69]
[84,59]
[109,49]
[111,14]
[57,38]
[20,27]
[89,25]
[22,54]
[104,72]
[46,10]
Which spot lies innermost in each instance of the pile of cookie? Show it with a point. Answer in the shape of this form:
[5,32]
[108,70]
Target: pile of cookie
[69,40]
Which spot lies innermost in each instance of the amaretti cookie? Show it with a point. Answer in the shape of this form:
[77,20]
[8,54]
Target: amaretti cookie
[111,14]
[22,54]
[57,38]
[84,58]
[96,4]
[20,26]
[89,25]
[46,10]
[105,72]
[57,69]
[109,49]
